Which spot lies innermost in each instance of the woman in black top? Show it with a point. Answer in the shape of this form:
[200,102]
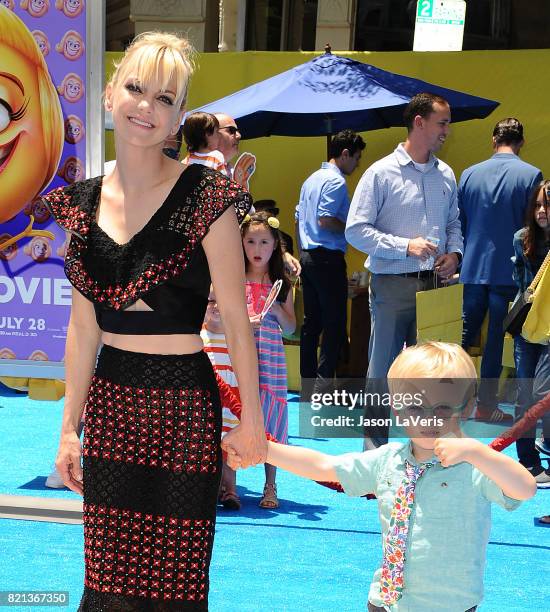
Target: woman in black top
[145,244]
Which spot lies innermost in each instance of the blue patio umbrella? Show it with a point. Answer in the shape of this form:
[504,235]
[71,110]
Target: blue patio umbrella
[331,93]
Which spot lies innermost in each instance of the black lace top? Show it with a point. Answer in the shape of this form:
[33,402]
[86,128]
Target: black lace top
[163,264]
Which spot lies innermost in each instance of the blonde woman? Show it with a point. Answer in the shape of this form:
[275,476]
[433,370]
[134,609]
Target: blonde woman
[145,244]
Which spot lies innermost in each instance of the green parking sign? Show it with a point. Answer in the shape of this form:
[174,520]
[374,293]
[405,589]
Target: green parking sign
[424,8]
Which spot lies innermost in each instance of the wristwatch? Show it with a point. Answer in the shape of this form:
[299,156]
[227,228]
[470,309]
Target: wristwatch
[459,257]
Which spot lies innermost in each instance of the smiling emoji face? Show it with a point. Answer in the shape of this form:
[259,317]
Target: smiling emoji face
[36,8]
[72,88]
[70,8]
[21,133]
[71,45]
[74,129]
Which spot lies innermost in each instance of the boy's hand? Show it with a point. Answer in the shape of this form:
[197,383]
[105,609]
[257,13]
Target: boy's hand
[233,459]
[451,451]
[248,442]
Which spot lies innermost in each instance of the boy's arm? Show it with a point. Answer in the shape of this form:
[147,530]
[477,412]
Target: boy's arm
[302,461]
[512,478]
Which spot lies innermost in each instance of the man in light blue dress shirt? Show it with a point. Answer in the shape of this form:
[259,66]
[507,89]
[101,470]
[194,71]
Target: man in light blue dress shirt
[492,197]
[404,215]
[320,222]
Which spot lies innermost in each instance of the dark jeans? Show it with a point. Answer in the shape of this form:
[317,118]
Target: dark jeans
[533,377]
[477,301]
[325,290]
[372,608]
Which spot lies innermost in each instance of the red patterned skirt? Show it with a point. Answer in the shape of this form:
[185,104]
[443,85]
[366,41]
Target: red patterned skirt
[152,465]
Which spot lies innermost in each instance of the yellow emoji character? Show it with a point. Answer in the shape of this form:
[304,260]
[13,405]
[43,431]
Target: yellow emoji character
[31,121]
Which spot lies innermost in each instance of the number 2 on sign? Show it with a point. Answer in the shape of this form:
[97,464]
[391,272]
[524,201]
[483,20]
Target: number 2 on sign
[425,8]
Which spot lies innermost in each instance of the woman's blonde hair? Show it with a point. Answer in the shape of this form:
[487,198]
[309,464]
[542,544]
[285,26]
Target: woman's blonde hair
[433,360]
[14,33]
[157,56]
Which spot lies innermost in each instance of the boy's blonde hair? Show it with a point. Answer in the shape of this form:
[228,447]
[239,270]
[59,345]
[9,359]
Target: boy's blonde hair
[433,360]
[15,34]
[440,361]
[160,57]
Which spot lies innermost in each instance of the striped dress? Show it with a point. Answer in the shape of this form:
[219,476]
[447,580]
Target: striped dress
[215,347]
[271,364]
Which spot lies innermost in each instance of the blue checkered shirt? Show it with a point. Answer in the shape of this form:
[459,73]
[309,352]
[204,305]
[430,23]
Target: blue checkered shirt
[397,200]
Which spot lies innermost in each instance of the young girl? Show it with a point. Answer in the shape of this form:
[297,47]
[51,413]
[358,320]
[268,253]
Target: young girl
[531,245]
[215,346]
[264,265]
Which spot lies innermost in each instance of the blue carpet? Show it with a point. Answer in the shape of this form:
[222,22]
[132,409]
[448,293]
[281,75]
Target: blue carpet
[316,553]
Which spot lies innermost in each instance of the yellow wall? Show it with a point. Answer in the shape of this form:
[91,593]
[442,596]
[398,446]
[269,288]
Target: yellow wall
[515,78]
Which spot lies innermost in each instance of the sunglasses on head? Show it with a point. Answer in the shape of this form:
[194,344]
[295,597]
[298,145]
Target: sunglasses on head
[231,129]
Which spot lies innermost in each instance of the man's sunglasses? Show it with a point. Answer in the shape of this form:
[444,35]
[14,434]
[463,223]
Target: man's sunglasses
[231,129]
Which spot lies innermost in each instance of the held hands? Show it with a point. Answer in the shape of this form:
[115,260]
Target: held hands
[451,451]
[234,460]
[421,248]
[68,462]
[245,445]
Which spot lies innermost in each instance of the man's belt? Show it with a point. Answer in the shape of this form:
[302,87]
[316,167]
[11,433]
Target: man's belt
[420,274]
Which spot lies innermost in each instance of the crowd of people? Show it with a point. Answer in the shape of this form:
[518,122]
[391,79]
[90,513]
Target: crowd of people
[191,360]
[421,231]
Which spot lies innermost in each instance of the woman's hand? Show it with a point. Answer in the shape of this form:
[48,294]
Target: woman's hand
[68,462]
[245,445]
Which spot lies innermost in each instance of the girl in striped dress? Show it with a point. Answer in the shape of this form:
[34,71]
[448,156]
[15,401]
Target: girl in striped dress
[264,265]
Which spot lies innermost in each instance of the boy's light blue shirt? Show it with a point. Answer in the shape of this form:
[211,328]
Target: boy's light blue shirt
[448,532]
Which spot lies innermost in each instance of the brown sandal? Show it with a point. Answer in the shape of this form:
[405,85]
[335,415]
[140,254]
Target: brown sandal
[269,500]
[229,500]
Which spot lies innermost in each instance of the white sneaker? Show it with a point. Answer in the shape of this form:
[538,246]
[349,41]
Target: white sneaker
[54,481]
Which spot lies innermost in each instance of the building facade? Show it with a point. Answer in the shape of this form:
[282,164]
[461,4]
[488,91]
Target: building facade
[293,25]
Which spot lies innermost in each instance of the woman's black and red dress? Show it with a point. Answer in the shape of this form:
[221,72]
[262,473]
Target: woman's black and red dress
[151,453]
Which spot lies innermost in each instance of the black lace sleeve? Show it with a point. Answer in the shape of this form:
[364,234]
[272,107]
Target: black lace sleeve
[72,206]
[212,195]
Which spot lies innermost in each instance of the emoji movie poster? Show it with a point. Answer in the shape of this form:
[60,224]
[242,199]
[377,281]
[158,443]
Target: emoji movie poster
[42,146]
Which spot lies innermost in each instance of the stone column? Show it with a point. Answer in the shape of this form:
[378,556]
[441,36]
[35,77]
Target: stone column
[335,24]
[190,18]
[232,25]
